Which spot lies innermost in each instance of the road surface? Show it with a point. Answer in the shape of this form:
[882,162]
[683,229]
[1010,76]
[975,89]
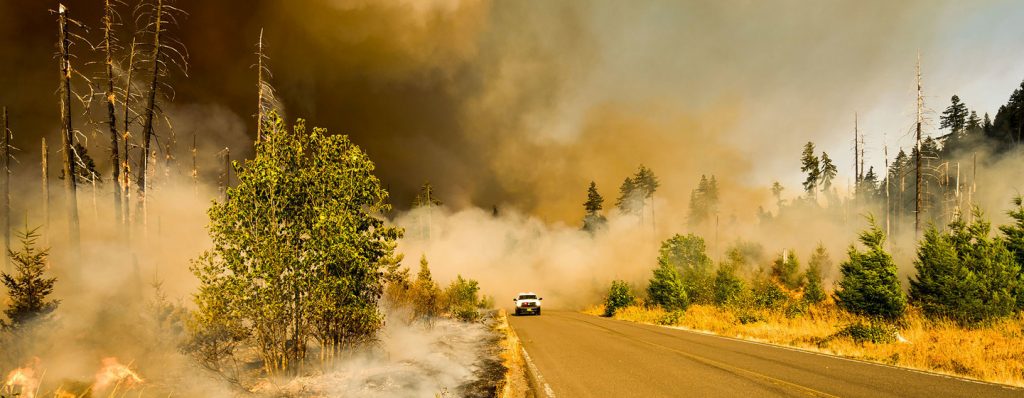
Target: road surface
[578,355]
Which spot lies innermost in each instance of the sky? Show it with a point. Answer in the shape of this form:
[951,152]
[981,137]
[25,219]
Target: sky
[522,104]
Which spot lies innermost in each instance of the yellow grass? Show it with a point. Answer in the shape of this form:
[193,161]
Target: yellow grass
[994,353]
[514,384]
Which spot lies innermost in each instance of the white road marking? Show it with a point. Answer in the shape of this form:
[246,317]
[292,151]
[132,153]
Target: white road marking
[548,392]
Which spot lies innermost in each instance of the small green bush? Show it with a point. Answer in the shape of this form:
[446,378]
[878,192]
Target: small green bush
[619,296]
[672,318]
[766,293]
[875,332]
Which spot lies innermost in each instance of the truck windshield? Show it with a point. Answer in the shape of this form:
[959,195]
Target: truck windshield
[527,297]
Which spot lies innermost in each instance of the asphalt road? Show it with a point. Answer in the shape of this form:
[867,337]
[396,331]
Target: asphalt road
[578,355]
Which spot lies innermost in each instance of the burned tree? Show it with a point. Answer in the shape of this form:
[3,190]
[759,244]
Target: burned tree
[164,53]
[5,192]
[109,45]
[67,131]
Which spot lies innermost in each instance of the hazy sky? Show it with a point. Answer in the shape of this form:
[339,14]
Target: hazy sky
[523,103]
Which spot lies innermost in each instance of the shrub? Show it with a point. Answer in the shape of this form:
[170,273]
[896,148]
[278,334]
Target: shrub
[672,318]
[869,285]
[765,293]
[728,286]
[666,288]
[425,295]
[619,296]
[878,333]
[813,291]
[785,270]
[965,275]
[462,299]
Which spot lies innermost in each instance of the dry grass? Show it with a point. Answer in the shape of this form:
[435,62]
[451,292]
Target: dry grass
[514,384]
[994,353]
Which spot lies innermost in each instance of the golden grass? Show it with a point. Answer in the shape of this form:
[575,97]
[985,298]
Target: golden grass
[514,384]
[994,353]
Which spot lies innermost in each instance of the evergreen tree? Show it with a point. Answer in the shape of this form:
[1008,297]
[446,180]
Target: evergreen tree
[28,287]
[666,288]
[869,285]
[785,270]
[426,293]
[777,193]
[593,219]
[828,172]
[954,117]
[1014,238]
[965,275]
[814,291]
[630,199]
[811,166]
[619,296]
[646,182]
[426,196]
[1007,129]
[703,201]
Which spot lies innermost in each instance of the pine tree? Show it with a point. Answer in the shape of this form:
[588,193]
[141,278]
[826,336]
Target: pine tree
[811,166]
[629,197]
[666,288]
[965,275]
[814,291]
[828,172]
[28,287]
[593,219]
[954,117]
[785,270]
[869,285]
[426,196]
[426,293]
[1014,238]
[777,193]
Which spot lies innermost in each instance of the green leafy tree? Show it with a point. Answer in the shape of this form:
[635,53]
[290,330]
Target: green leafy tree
[810,165]
[593,220]
[619,296]
[463,299]
[689,255]
[965,275]
[299,248]
[786,270]
[666,288]
[869,285]
[28,287]
[814,291]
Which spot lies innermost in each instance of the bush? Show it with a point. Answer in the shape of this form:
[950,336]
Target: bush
[785,270]
[878,333]
[619,296]
[666,288]
[869,285]
[689,255]
[462,299]
[965,275]
[795,308]
[672,318]
[813,291]
[728,286]
[765,293]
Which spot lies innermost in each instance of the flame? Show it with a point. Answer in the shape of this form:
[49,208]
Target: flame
[25,381]
[114,373]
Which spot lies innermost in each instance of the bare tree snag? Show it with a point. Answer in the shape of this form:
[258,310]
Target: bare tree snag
[67,132]
[46,187]
[919,199]
[115,162]
[150,110]
[5,192]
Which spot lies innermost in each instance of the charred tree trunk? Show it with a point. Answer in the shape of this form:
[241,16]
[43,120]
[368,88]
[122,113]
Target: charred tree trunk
[67,132]
[225,176]
[917,158]
[150,111]
[44,160]
[115,162]
[5,191]
[126,182]
[195,168]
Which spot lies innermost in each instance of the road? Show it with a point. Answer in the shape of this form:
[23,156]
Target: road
[578,355]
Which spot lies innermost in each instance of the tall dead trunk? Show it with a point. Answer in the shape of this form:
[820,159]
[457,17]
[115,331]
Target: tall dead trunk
[259,89]
[67,132]
[150,111]
[44,160]
[225,176]
[919,198]
[5,191]
[126,181]
[195,168]
[115,162]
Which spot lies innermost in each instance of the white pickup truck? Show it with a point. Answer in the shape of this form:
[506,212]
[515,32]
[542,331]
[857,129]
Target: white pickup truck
[527,303]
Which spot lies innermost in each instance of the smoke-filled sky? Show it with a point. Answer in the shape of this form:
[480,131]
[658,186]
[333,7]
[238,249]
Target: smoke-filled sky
[522,103]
